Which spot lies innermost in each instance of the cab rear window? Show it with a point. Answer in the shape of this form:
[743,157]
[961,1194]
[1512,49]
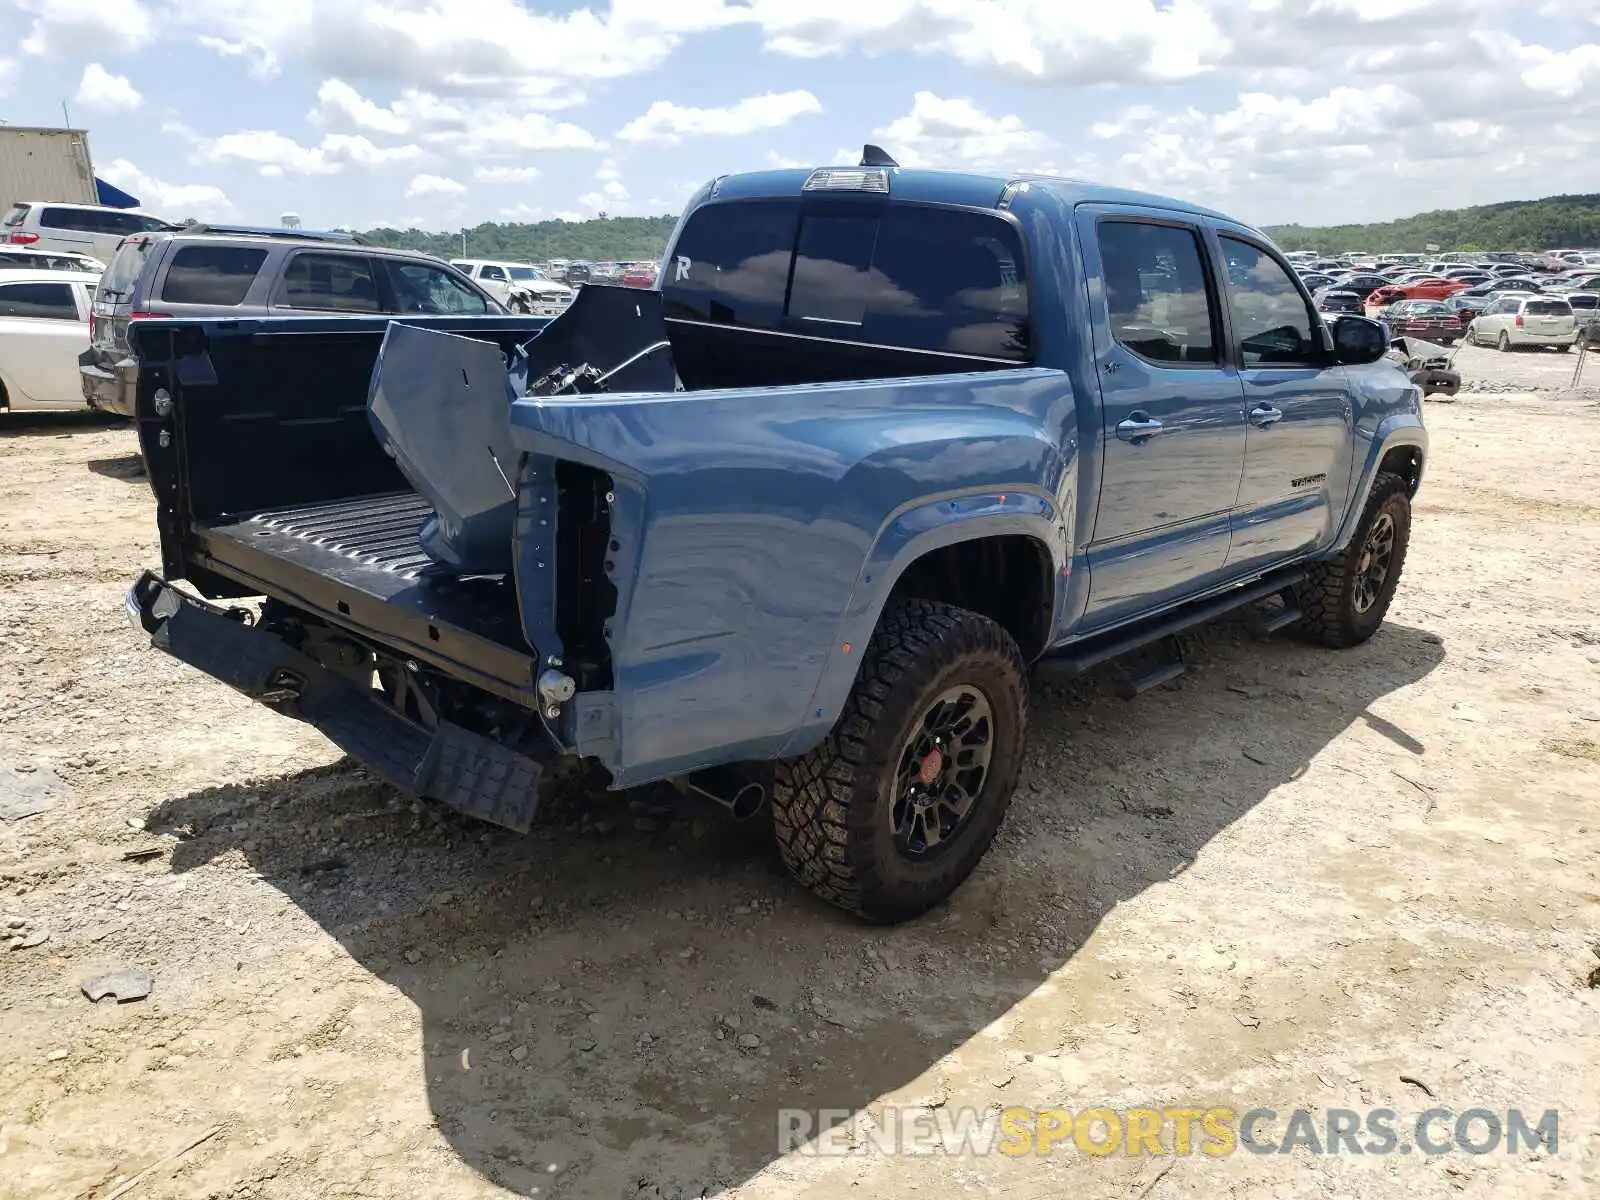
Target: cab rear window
[909,276]
[211,274]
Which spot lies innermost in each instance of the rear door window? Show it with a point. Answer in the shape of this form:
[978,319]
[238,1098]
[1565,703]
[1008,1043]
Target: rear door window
[1156,295]
[81,220]
[421,288]
[219,275]
[329,283]
[47,301]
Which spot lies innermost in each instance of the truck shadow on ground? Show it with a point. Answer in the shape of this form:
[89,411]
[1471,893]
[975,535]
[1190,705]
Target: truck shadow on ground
[632,996]
[21,423]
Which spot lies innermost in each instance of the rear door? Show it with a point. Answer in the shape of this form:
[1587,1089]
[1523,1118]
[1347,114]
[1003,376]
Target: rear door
[42,332]
[62,227]
[1297,402]
[1173,434]
[327,281]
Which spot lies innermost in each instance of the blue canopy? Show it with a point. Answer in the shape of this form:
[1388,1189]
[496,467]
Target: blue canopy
[112,196]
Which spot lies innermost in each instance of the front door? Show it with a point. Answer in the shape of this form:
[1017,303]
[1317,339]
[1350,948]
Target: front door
[1173,434]
[1298,407]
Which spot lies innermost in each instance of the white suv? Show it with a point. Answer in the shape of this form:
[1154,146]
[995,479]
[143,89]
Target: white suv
[91,229]
[1524,321]
[521,287]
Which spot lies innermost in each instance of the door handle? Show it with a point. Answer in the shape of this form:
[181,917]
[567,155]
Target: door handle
[1263,415]
[1140,427]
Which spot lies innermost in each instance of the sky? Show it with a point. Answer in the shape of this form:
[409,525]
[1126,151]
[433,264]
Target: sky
[441,114]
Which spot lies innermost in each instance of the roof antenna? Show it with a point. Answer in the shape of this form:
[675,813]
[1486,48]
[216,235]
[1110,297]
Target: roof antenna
[876,156]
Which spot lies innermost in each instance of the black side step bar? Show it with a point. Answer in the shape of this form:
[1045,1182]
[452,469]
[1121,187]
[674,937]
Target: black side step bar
[1081,656]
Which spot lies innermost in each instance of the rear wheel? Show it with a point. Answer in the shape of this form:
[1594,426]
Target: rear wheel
[1345,598]
[894,809]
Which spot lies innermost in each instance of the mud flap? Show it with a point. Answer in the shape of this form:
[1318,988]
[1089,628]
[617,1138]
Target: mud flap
[470,773]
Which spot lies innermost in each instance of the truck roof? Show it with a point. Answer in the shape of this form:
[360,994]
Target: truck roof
[953,187]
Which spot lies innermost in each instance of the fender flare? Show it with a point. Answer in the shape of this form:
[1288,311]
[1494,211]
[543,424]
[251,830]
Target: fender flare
[919,529]
[1396,431]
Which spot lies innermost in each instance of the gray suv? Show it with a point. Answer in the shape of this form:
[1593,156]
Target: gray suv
[205,271]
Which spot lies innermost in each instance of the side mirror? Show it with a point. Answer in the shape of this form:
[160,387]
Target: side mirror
[1358,340]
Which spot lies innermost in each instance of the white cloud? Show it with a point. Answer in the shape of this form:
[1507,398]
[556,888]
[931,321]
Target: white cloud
[274,154]
[668,122]
[336,99]
[174,201]
[68,27]
[523,212]
[101,91]
[434,185]
[498,47]
[504,134]
[506,174]
[940,132]
[1036,40]
[1357,153]
[608,197]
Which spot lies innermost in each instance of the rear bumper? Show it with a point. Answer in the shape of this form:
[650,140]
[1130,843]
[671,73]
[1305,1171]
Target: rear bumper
[459,768]
[110,390]
[1526,337]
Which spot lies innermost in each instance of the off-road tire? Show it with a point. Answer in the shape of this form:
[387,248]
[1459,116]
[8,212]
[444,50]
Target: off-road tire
[1328,611]
[831,808]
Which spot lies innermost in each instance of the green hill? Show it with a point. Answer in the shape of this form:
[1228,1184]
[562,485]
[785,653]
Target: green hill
[1549,224]
[605,239]
[1557,221]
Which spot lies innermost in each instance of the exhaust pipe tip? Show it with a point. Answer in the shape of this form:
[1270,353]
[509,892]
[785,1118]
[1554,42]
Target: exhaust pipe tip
[747,801]
[742,799]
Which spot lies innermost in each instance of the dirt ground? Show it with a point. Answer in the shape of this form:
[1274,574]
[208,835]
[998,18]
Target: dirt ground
[1292,879]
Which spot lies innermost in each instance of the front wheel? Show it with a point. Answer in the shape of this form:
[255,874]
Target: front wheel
[1344,600]
[519,306]
[891,813]
[1504,344]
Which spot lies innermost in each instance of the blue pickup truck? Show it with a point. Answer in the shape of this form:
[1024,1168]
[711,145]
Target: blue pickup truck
[797,525]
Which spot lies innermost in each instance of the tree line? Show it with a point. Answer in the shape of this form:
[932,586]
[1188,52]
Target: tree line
[604,239]
[1553,223]
[1558,221]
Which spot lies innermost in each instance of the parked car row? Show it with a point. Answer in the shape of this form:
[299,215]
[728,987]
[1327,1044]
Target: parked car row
[1504,300]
